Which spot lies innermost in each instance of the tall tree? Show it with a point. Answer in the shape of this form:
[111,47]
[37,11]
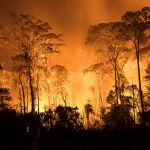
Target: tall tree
[146,101]
[103,38]
[59,81]
[147,78]
[31,38]
[135,27]
[23,93]
[20,67]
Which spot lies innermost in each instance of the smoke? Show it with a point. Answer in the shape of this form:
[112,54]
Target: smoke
[72,18]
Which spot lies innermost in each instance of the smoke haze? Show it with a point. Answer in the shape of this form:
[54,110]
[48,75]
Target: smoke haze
[72,18]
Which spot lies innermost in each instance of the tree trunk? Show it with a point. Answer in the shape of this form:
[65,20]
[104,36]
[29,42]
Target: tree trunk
[116,89]
[30,83]
[53,101]
[22,93]
[27,99]
[20,100]
[133,104]
[64,98]
[99,94]
[70,94]
[140,88]
[38,92]
[32,93]
[49,96]
[0,101]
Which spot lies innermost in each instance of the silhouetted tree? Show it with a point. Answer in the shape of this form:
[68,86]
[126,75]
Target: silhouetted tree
[103,37]
[147,78]
[118,118]
[146,97]
[32,39]
[88,110]
[111,98]
[5,98]
[135,25]
[62,118]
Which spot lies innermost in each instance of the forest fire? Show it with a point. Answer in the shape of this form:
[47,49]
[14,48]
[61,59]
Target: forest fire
[74,77]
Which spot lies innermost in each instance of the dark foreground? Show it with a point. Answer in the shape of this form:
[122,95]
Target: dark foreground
[73,140]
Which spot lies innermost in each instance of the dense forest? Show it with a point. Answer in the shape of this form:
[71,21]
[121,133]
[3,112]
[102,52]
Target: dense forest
[124,123]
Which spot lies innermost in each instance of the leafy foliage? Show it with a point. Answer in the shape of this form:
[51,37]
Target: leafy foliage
[118,118]
[111,98]
[63,118]
[105,39]
[94,68]
[59,82]
[33,42]
[5,98]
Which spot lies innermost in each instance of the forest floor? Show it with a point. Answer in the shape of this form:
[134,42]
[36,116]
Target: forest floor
[73,140]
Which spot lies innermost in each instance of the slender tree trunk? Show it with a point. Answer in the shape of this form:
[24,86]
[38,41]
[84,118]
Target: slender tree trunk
[38,92]
[49,96]
[56,101]
[53,100]
[0,101]
[32,93]
[70,94]
[65,101]
[30,83]
[99,94]
[116,89]
[119,89]
[27,99]
[22,93]
[100,91]
[64,98]
[27,73]
[20,100]
[133,104]
[140,88]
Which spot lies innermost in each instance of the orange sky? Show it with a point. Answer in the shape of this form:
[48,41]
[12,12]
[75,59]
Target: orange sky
[72,18]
